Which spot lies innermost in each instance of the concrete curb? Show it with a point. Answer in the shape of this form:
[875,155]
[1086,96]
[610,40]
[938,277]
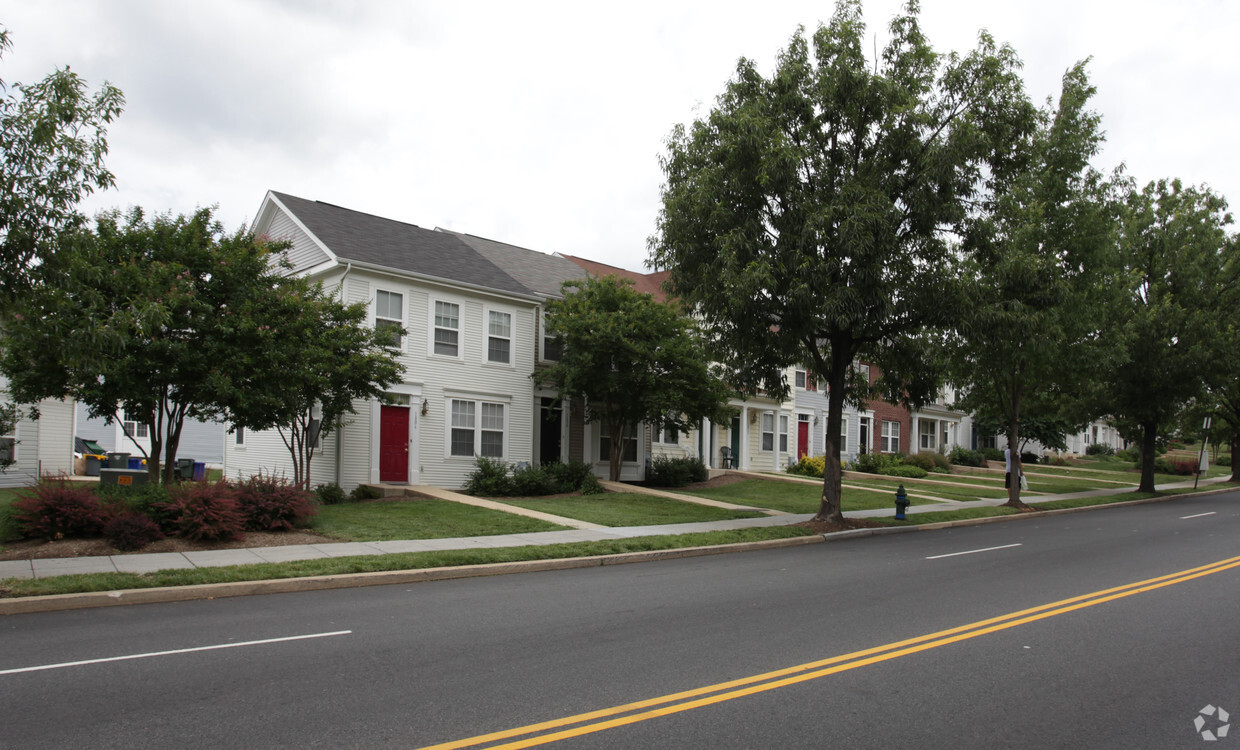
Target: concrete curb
[61,602]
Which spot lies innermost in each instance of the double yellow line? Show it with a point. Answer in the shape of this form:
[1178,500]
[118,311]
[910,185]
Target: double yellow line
[630,713]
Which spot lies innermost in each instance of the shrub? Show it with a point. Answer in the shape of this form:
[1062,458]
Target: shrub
[489,478]
[56,510]
[330,494]
[137,497]
[1029,457]
[365,492]
[904,470]
[568,477]
[592,486]
[1223,459]
[1129,454]
[874,463]
[920,460]
[809,466]
[1099,449]
[531,481]
[666,471]
[132,530]
[992,454]
[272,503]
[202,512]
[965,457]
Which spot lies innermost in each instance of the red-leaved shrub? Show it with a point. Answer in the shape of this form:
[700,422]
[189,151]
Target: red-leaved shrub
[56,510]
[132,530]
[202,511]
[272,503]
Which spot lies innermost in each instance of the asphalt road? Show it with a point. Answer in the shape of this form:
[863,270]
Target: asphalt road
[928,640]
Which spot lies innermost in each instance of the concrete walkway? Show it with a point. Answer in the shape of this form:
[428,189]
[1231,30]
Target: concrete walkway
[578,531]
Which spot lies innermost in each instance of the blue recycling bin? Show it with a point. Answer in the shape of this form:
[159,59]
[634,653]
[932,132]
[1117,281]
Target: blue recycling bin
[200,471]
[135,463]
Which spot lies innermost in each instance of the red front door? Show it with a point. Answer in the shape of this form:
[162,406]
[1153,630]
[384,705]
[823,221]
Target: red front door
[802,438]
[394,444]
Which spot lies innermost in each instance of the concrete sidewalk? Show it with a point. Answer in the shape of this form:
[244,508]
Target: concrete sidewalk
[578,532]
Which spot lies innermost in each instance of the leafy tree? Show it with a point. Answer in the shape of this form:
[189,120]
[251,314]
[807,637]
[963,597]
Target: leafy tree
[630,359]
[804,218]
[1225,379]
[52,144]
[1172,244]
[1033,277]
[313,357]
[159,318]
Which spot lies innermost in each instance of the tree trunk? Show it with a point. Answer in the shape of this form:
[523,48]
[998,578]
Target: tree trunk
[831,509]
[1017,468]
[1149,440]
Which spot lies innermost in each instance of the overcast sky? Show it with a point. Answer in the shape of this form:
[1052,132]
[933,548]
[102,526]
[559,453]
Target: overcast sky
[541,124]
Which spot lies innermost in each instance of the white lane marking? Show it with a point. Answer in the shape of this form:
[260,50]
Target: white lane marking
[972,551]
[1199,515]
[170,653]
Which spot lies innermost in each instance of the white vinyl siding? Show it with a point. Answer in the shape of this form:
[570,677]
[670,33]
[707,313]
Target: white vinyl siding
[305,252]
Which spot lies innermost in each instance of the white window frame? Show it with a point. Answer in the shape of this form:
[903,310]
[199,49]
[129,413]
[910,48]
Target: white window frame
[783,433]
[767,425]
[864,369]
[800,379]
[476,426]
[604,444]
[134,429]
[433,327]
[923,443]
[12,441]
[666,434]
[842,439]
[399,341]
[487,312]
[890,437]
[238,436]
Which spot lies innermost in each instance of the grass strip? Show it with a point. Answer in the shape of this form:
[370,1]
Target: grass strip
[626,509]
[72,584]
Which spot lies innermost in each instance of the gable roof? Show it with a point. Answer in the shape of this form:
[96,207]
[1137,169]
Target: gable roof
[353,236]
[647,283]
[540,272]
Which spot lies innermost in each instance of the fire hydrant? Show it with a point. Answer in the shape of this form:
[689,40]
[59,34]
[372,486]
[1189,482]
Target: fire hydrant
[901,502]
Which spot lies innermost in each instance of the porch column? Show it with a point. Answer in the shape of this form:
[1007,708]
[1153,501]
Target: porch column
[707,453]
[915,443]
[742,458]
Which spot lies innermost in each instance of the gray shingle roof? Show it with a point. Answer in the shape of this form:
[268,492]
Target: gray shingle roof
[365,238]
[540,272]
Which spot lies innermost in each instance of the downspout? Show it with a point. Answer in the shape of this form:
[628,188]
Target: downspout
[339,441]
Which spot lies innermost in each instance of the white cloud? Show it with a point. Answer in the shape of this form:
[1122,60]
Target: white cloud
[541,124]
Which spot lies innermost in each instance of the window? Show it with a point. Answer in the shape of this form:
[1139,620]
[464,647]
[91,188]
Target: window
[462,428]
[499,337]
[447,329]
[843,437]
[238,436]
[477,429]
[390,315]
[800,378]
[926,430]
[667,434]
[768,431]
[891,437]
[627,453]
[783,433]
[8,444]
[133,428]
[806,380]
[865,373]
[551,344]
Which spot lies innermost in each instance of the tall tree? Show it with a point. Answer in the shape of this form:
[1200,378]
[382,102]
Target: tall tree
[630,359]
[1225,380]
[1172,244]
[148,317]
[52,144]
[804,217]
[312,357]
[1033,277]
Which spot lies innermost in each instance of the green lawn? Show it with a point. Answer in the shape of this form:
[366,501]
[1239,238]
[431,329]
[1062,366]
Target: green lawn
[795,497]
[419,519]
[626,509]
